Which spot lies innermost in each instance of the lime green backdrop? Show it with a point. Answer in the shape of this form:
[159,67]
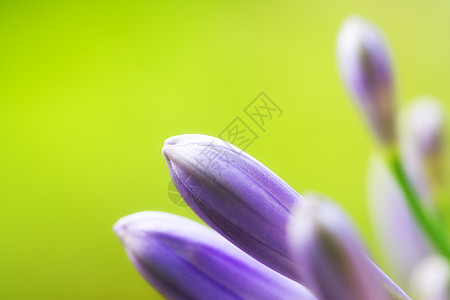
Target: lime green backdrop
[89,90]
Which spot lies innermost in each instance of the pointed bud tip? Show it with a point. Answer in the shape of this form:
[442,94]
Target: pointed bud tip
[122,225]
[172,140]
[357,32]
[119,229]
[355,23]
[168,145]
[137,221]
[166,153]
[189,138]
[172,143]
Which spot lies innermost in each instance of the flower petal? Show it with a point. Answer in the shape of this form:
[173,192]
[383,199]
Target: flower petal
[364,64]
[234,194]
[333,261]
[186,260]
[426,124]
[422,145]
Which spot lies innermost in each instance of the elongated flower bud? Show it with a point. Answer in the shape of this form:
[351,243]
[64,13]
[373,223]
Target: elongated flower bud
[426,120]
[395,227]
[234,194]
[333,262]
[240,198]
[421,142]
[425,135]
[364,64]
[186,260]
[431,279]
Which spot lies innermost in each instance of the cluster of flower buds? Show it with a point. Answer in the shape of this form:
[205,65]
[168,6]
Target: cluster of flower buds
[265,241]
[407,192]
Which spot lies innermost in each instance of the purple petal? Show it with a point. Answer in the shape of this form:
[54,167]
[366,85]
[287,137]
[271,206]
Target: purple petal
[364,64]
[234,194]
[333,261]
[186,260]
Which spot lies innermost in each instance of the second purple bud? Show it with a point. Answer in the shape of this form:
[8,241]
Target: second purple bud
[365,67]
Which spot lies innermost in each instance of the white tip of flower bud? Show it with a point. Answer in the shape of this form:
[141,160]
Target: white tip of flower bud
[426,123]
[430,279]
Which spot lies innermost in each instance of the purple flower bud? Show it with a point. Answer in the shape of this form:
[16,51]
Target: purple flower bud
[395,227]
[423,127]
[333,261]
[364,64]
[186,260]
[426,125]
[421,135]
[235,194]
[430,279]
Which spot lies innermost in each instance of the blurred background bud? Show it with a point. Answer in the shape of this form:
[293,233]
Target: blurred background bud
[430,279]
[365,69]
[332,259]
[421,136]
[423,147]
[400,239]
[426,123]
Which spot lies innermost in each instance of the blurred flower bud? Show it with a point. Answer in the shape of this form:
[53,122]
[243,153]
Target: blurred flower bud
[186,260]
[421,135]
[426,122]
[365,68]
[430,279]
[395,227]
[424,135]
[332,259]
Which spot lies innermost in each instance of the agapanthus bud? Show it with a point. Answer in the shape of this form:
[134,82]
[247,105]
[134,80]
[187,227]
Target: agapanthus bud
[235,194]
[430,279]
[365,68]
[426,123]
[424,127]
[333,261]
[395,227]
[186,260]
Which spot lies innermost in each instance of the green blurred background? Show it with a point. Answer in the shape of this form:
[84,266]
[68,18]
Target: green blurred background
[89,90]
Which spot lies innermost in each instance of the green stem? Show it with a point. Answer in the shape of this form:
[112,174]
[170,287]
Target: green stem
[432,229]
